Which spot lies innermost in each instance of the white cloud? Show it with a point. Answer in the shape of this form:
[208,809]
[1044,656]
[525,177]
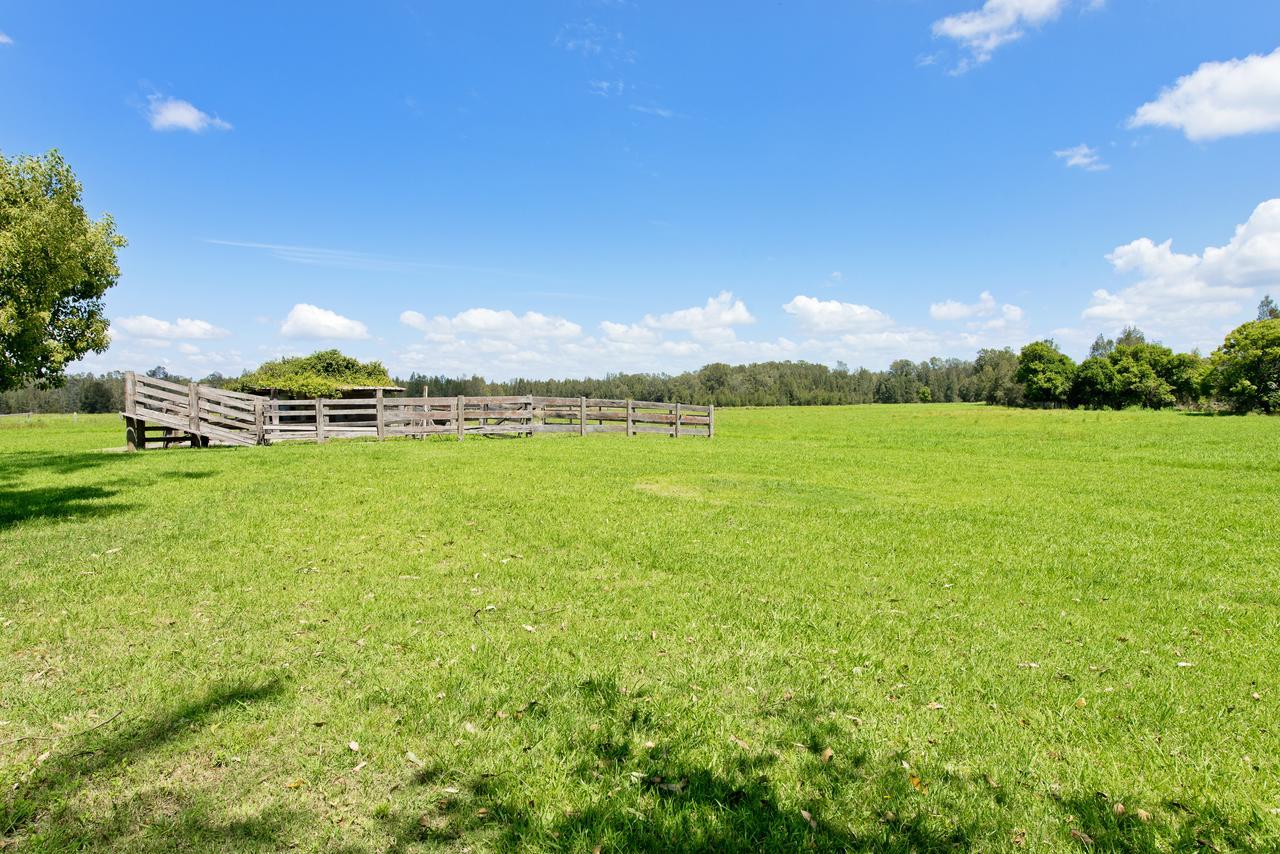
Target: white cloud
[592,41]
[818,315]
[1219,99]
[629,333]
[1193,298]
[607,88]
[720,313]
[1082,157]
[5,39]
[653,110]
[981,31]
[1010,316]
[488,323]
[954,310]
[145,326]
[166,113]
[309,321]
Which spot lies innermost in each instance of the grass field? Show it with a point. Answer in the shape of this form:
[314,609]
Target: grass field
[904,628]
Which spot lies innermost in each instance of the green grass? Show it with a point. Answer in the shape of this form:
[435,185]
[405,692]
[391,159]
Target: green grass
[564,643]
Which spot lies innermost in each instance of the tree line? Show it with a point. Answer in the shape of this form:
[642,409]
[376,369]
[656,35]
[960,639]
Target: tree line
[1129,370]
[56,264]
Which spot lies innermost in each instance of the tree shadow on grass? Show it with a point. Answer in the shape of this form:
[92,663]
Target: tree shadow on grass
[56,502]
[670,799]
[71,500]
[41,808]
[1170,825]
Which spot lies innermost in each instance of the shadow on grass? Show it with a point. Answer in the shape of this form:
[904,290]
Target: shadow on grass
[71,500]
[664,800]
[1173,825]
[40,811]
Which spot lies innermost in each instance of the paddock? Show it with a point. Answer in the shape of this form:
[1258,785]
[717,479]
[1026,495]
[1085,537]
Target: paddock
[160,413]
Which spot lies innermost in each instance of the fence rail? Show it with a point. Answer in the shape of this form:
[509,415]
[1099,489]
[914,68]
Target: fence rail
[166,413]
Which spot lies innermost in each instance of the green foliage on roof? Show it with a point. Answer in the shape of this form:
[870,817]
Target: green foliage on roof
[321,374]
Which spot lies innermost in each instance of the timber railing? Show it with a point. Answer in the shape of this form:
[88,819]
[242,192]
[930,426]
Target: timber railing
[164,413]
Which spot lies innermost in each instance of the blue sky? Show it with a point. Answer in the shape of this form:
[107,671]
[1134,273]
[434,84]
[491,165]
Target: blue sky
[569,188]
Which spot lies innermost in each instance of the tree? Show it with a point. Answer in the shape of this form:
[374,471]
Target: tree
[1094,384]
[993,378]
[1245,370]
[55,266]
[1130,336]
[1045,372]
[1267,309]
[1101,347]
[96,396]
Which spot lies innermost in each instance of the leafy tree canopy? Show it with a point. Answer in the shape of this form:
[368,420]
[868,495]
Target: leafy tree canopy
[321,374]
[55,265]
[1267,309]
[1246,368]
[1045,372]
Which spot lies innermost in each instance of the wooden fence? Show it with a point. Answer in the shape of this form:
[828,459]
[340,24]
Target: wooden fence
[159,412]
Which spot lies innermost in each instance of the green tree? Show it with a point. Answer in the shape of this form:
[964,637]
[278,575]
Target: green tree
[994,378]
[1101,347]
[1094,384]
[1245,370]
[1267,309]
[55,266]
[1045,372]
[96,396]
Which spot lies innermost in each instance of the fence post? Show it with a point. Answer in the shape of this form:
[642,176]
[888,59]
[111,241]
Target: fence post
[319,419]
[675,433]
[582,416]
[529,401]
[193,413]
[378,406]
[631,408]
[130,411]
[259,423]
[711,421]
[461,406]
[130,393]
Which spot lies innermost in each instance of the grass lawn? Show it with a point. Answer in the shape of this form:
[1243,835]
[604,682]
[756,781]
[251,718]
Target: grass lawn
[888,627]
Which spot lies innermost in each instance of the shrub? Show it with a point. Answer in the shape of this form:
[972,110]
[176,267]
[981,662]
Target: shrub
[321,374]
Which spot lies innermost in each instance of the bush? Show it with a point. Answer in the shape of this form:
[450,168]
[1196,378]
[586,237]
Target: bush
[321,374]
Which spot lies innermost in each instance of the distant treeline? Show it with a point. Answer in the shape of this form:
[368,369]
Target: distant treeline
[758,384]
[1243,374]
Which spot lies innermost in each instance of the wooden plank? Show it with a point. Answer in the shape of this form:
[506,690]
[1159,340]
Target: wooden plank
[134,430]
[193,406]
[144,381]
[556,401]
[557,428]
[208,391]
[382,427]
[216,410]
[130,392]
[227,402]
[666,431]
[162,394]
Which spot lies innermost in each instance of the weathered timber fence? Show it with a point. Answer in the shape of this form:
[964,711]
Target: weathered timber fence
[159,412]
